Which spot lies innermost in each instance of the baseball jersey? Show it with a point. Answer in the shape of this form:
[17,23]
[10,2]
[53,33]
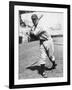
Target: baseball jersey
[42,32]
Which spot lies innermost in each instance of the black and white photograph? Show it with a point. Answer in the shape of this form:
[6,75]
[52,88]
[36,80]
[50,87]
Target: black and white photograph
[40,45]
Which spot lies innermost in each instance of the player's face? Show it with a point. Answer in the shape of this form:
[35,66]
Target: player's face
[34,21]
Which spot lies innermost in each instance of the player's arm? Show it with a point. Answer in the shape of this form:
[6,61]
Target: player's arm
[36,31]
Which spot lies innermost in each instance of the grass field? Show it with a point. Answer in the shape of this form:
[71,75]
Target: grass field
[29,53]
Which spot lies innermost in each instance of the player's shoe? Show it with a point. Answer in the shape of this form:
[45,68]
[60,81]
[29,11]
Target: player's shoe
[54,65]
[44,74]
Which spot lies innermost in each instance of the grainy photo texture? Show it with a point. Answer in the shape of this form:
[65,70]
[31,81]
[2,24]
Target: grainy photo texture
[40,36]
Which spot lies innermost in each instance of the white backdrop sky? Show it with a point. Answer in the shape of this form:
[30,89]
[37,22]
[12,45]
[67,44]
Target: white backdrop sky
[51,19]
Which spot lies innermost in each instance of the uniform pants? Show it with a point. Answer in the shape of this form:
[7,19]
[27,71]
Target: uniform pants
[46,49]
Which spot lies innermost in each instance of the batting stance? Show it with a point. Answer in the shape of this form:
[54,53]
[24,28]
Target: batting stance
[46,43]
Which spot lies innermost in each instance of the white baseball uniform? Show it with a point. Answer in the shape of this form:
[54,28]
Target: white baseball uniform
[46,42]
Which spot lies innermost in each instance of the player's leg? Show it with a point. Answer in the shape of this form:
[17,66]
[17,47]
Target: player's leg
[51,54]
[42,55]
[42,61]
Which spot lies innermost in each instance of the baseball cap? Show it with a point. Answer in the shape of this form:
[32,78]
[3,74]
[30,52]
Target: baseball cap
[34,16]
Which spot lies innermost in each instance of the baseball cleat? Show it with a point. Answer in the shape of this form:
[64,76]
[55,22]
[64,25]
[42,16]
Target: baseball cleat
[44,74]
[54,66]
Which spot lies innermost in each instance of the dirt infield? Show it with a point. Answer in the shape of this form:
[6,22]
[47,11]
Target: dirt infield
[29,54]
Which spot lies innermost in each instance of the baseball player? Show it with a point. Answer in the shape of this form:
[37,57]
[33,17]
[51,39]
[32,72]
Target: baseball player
[46,43]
